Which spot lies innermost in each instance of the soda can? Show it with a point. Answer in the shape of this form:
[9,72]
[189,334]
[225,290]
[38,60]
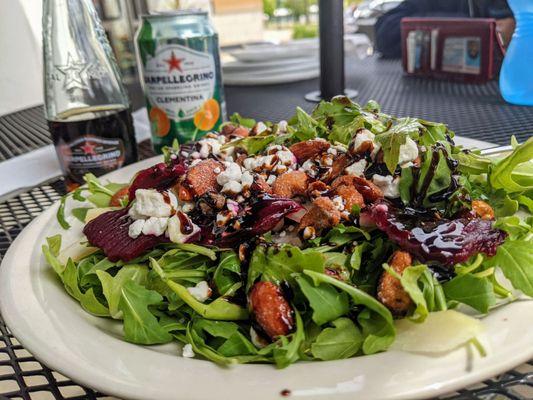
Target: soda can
[179,66]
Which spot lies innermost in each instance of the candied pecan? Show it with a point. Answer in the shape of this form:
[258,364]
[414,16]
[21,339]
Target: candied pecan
[339,163]
[343,180]
[234,130]
[369,190]
[260,185]
[270,309]
[322,214]
[303,151]
[240,159]
[390,290]
[202,177]
[290,184]
[317,188]
[351,196]
[121,194]
[483,209]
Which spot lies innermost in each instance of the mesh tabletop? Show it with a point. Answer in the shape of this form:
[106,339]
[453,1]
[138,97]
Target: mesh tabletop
[474,111]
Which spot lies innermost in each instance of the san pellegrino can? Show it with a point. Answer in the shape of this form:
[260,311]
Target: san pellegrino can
[180,73]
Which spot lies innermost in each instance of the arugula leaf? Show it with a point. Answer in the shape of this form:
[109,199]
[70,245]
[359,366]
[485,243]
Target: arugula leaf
[409,280]
[502,175]
[471,290]
[141,325]
[237,119]
[327,303]
[376,319]
[341,341]
[286,349]
[60,215]
[54,244]
[80,213]
[219,309]
[278,264]
[394,137]
[305,126]
[234,343]
[112,285]
[432,133]
[440,178]
[252,144]
[228,272]
[515,259]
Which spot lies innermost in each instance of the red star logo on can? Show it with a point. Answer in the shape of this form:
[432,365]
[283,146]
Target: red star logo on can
[174,62]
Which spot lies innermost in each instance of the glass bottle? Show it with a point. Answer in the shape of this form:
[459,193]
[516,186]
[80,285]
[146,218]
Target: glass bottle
[86,105]
[516,76]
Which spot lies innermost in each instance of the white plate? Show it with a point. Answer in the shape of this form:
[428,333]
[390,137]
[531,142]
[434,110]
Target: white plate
[251,79]
[239,66]
[89,350]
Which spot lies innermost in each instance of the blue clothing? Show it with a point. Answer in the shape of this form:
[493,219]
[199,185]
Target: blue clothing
[388,35]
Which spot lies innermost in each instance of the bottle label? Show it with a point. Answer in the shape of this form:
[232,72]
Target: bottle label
[91,154]
[179,80]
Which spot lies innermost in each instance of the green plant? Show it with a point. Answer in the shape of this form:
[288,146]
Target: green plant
[304,31]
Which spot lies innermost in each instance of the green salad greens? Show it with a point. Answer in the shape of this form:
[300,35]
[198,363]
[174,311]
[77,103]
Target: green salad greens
[331,280]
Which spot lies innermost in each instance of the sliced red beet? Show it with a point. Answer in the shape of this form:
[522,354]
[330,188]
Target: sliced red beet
[433,240]
[160,177]
[109,232]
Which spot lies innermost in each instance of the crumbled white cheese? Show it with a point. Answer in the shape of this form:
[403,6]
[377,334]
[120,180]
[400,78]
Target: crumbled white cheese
[217,170]
[389,186]
[187,207]
[257,340]
[233,172]
[201,291]
[209,146]
[408,153]
[357,168]
[223,217]
[174,230]
[155,226]
[232,187]
[247,179]
[187,351]
[135,228]
[259,128]
[361,137]
[151,203]
[286,157]
[271,179]
[338,202]
[282,126]
[195,154]
[310,168]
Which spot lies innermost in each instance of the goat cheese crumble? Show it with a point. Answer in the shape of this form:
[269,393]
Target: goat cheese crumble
[389,186]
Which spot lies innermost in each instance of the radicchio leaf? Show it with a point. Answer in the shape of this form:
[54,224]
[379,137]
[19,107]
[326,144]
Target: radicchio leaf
[266,214]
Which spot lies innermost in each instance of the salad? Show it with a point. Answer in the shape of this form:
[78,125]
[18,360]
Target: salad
[340,233]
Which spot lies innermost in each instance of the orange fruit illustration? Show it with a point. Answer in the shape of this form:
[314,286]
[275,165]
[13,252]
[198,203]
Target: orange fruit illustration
[160,122]
[206,118]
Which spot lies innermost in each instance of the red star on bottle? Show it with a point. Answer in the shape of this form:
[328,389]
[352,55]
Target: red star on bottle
[174,63]
[88,148]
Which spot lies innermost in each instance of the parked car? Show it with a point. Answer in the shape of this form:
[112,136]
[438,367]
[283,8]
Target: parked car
[366,14]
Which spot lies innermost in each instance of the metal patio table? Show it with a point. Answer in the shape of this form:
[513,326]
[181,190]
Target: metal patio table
[475,111]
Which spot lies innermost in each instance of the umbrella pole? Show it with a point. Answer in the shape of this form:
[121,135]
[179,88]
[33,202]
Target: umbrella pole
[331,28]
